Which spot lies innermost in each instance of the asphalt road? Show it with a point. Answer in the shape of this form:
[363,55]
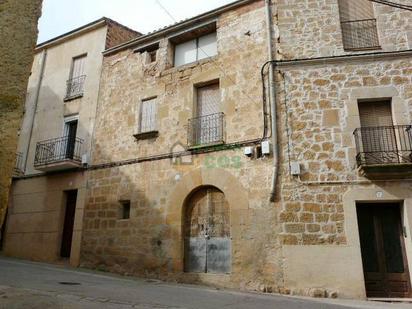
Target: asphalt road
[35,285]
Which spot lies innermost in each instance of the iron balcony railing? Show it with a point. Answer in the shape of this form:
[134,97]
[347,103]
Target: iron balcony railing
[18,167]
[384,145]
[360,34]
[75,86]
[206,130]
[57,150]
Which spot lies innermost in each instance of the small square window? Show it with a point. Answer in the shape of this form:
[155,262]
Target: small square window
[152,56]
[124,210]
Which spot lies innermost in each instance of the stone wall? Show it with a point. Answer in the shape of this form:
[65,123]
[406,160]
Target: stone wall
[150,242]
[322,115]
[18,34]
[312,28]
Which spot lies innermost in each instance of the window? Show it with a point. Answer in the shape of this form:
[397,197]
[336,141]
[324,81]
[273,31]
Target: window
[69,136]
[358,25]
[196,49]
[207,126]
[151,51]
[147,117]
[124,210]
[75,84]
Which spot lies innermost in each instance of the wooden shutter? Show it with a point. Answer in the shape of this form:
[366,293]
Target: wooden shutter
[148,116]
[352,10]
[208,100]
[375,114]
[78,66]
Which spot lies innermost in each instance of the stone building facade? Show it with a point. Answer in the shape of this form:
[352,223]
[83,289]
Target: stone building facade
[325,67]
[180,176]
[44,220]
[18,35]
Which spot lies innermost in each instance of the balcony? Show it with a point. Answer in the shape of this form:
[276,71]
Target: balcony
[360,35]
[206,131]
[61,153]
[18,167]
[74,88]
[384,152]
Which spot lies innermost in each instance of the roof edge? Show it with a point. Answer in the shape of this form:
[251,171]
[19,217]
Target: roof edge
[103,21]
[185,23]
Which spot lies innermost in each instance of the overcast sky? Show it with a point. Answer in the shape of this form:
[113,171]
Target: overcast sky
[60,16]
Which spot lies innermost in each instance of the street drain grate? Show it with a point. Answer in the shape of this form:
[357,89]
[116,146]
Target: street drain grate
[69,283]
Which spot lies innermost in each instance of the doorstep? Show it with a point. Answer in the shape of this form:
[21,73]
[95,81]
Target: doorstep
[391,300]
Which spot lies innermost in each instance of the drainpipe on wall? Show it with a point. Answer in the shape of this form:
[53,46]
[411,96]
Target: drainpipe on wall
[36,100]
[272,97]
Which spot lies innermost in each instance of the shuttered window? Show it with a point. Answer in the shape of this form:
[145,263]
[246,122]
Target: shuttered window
[358,25]
[196,49]
[78,67]
[375,114]
[148,116]
[208,100]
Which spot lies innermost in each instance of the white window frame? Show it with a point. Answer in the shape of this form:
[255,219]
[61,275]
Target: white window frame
[197,50]
[68,119]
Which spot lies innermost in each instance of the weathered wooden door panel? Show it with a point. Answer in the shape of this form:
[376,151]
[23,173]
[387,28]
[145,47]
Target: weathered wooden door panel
[383,251]
[195,254]
[218,255]
[207,232]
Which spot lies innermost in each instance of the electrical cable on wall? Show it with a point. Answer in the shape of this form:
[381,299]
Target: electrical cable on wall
[393,4]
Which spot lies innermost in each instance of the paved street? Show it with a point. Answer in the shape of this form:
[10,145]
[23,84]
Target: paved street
[34,285]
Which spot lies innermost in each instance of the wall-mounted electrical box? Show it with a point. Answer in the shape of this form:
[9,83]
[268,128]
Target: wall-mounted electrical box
[265,148]
[248,151]
[295,168]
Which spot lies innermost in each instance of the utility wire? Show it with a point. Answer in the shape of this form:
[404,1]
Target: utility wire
[393,4]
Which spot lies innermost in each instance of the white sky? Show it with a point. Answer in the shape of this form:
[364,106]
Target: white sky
[61,16]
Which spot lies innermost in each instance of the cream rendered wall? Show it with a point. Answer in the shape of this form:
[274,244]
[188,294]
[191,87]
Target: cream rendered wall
[51,107]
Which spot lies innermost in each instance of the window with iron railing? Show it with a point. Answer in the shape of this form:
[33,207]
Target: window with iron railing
[358,24]
[75,84]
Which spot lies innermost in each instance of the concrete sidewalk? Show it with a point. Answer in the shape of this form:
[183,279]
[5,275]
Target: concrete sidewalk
[36,285]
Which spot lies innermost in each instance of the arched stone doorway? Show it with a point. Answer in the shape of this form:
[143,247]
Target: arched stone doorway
[207,242]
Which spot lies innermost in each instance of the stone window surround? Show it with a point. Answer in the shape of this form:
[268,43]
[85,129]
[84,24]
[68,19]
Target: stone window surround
[388,193]
[398,106]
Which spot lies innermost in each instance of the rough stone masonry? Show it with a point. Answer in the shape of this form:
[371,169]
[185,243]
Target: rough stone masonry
[18,35]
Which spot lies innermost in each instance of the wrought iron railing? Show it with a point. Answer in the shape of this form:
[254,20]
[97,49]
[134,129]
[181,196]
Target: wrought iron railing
[206,130]
[75,86]
[384,145]
[18,167]
[360,34]
[57,150]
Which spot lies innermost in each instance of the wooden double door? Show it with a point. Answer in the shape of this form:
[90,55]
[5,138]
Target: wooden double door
[383,251]
[207,232]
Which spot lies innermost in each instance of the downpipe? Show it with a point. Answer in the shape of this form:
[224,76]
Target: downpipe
[272,98]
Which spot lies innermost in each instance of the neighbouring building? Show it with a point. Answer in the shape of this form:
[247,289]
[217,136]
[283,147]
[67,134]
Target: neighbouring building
[45,214]
[18,34]
[183,157]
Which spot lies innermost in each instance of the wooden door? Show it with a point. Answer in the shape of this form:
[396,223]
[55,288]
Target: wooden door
[207,232]
[383,251]
[378,133]
[67,235]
